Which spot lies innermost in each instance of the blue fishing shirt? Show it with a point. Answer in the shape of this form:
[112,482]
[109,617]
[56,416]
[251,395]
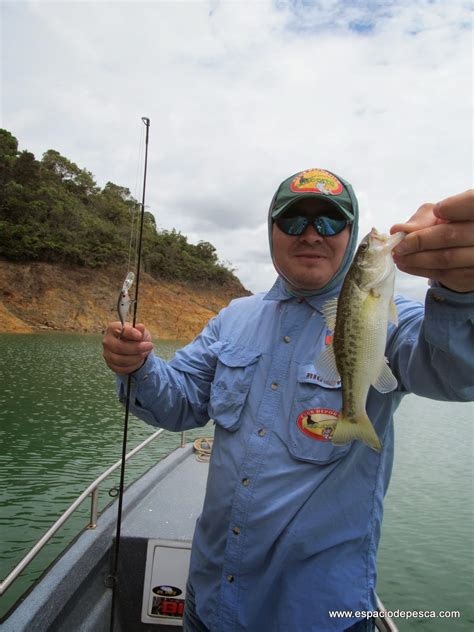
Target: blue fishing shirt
[291,523]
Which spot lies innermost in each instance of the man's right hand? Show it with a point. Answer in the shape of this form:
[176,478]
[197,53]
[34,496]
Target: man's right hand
[125,352]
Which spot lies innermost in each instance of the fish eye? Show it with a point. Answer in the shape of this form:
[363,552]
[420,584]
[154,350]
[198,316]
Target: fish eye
[363,247]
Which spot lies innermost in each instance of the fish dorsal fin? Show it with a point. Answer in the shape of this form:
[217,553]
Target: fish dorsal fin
[325,364]
[386,381]
[392,313]
[329,310]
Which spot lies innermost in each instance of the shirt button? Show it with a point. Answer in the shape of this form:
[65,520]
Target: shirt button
[262,432]
[438,298]
[274,386]
[245,482]
[230,578]
[236,530]
[287,339]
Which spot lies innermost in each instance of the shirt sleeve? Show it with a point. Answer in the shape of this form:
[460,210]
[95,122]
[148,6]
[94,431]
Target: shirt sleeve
[431,351]
[175,395]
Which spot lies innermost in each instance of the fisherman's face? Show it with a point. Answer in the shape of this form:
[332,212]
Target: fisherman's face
[309,261]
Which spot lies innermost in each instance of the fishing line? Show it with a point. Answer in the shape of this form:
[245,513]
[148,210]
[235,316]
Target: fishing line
[131,242]
[141,168]
[134,227]
[112,578]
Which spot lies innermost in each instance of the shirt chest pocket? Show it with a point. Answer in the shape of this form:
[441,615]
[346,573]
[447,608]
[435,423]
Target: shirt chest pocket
[235,370]
[314,415]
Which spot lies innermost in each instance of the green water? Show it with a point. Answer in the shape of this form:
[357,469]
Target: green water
[60,427]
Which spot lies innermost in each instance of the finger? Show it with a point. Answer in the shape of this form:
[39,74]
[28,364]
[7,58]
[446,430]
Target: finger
[442,259]
[145,333]
[124,364]
[127,351]
[424,217]
[113,328]
[459,280]
[440,236]
[132,333]
[124,347]
[457,207]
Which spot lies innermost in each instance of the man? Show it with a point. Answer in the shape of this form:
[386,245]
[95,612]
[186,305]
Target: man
[291,522]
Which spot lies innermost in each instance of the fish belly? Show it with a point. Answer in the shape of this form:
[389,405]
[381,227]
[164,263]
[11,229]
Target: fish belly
[369,350]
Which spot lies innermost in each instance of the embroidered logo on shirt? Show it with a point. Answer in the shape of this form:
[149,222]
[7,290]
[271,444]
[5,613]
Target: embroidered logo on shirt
[314,378]
[310,375]
[318,423]
[317,181]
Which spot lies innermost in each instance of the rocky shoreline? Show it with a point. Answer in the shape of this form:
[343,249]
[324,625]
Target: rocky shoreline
[41,297]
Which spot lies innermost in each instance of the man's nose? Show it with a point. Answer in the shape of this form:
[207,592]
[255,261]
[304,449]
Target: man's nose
[310,234]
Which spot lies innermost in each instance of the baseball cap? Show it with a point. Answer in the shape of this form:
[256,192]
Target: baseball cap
[315,183]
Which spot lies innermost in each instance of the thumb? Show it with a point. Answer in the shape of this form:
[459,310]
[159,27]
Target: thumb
[144,331]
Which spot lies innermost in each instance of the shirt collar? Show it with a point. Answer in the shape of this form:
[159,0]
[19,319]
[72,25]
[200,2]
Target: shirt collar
[278,292]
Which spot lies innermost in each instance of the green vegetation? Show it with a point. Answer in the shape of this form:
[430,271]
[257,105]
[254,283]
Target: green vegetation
[53,211]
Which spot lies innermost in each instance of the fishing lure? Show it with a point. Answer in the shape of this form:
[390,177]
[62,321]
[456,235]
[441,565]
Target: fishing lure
[124,301]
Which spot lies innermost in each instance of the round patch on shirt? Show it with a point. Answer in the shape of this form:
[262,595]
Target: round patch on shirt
[318,423]
[316,181]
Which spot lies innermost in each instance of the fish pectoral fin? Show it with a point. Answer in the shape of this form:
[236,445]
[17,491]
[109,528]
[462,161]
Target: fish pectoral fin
[392,313]
[386,381]
[329,310]
[326,365]
[361,428]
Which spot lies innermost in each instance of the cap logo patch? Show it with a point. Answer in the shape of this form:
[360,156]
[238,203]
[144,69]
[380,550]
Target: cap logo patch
[316,181]
[318,423]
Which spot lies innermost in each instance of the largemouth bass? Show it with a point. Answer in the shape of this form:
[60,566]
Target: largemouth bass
[360,319]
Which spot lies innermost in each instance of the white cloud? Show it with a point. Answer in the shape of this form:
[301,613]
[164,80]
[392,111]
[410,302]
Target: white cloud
[241,95]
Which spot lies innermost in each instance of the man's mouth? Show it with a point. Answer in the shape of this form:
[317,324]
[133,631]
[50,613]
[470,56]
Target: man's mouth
[309,255]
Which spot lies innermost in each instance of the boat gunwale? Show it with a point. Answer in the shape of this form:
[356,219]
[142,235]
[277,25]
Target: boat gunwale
[91,490]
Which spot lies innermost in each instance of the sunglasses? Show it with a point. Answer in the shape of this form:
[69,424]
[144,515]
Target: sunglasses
[324,225]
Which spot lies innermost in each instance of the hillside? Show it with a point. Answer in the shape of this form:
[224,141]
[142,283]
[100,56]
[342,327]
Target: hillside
[42,297]
[64,247]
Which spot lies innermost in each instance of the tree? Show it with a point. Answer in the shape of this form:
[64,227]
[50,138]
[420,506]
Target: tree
[26,169]
[78,180]
[206,251]
[8,144]
[116,191]
[8,153]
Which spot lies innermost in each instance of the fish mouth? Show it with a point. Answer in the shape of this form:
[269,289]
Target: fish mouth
[386,243]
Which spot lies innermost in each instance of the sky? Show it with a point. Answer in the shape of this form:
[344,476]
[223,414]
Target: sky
[240,96]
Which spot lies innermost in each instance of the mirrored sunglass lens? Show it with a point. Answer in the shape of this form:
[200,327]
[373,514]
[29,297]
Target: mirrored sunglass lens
[328,226]
[293,225]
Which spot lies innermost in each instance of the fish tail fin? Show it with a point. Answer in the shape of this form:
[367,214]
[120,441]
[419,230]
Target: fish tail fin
[360,428]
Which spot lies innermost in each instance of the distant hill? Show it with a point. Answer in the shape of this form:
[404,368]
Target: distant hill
[64,247]
[53,211]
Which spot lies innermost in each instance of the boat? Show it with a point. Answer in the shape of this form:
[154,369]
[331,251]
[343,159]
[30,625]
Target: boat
[158,517]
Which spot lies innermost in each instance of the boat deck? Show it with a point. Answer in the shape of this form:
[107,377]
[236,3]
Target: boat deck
[169,510]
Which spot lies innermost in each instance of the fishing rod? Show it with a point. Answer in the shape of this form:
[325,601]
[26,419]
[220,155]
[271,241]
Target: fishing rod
[124,303]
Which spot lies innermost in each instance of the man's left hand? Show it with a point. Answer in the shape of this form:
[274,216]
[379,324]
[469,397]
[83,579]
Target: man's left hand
[440,242]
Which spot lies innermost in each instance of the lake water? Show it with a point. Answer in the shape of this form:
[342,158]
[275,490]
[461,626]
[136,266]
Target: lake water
[61,425]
